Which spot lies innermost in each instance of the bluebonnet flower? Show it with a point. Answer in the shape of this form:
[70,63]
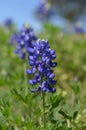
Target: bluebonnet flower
[25,42]
[44,10]
[41,61]
[79,27]
[8,22]
[79,30]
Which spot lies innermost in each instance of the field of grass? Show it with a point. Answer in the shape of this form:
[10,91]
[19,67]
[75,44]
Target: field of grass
[18,112]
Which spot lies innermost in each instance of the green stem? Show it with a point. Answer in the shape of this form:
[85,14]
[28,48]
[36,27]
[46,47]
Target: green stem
[25,76]
[43,108]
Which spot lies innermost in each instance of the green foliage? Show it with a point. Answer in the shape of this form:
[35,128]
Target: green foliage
[64,110]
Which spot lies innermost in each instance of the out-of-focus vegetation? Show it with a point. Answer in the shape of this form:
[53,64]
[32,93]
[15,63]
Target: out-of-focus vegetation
[69,9]
[66,109]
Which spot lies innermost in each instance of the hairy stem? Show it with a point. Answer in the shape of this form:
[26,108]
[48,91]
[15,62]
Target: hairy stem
[25,76]
[43,108]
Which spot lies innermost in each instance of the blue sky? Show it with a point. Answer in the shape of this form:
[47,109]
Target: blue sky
[22,11]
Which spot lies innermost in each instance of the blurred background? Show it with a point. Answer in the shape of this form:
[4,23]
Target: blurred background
[63,23]
[67,14]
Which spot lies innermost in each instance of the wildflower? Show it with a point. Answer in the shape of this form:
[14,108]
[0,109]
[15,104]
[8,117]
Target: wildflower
[44,10]
[8,22]
[41,61]
[79,30]
[25,40]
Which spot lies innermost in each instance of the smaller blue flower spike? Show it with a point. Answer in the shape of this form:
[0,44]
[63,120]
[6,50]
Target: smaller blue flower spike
[8,22]
[25,42]
[41,61]
[79,30]
[44,10]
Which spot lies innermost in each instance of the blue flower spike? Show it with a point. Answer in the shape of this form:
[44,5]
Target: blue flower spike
[41,61]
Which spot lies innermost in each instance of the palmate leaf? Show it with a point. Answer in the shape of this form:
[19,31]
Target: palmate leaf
[76,110]
[66,111]
[19,95]
[2,119]
[56,99]
[76,87]
[65,115]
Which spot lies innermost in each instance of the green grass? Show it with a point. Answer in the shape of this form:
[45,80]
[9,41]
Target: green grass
[71,58]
